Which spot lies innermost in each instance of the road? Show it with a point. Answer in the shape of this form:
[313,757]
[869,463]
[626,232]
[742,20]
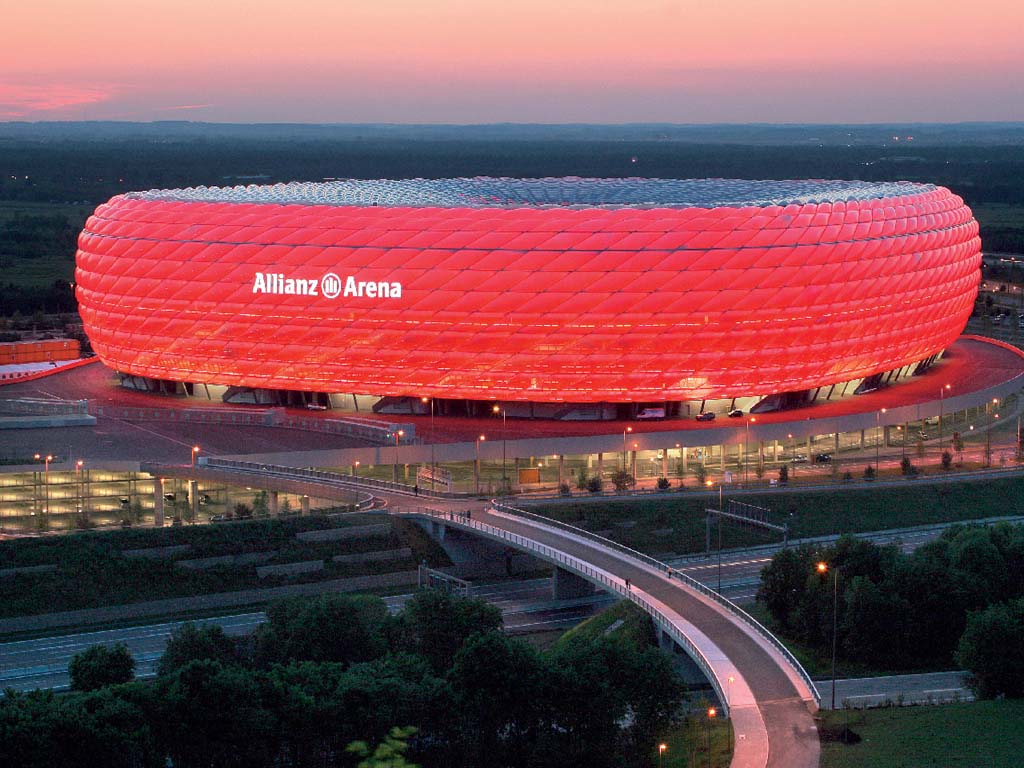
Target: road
[925,688]
[526,606]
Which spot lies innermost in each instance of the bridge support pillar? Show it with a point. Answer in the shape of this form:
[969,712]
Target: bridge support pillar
[272,503]
[561,469]
[600,465]
[158,503]
[305,505]
[686,461]
[567,585]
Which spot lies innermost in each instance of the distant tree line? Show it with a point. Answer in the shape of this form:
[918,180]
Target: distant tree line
[925,609]
[326,672]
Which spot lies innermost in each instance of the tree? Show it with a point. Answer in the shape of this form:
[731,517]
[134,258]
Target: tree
[594,484]
[390,753]
[700,472]
[435,624]
[947,460]
[189,643]
[992,650]
[869,472]
[341,628]
[581,479]
[99,666]
[663,484]
[783,582]
[622,480]
[259,504]
[783,475]
[907,467]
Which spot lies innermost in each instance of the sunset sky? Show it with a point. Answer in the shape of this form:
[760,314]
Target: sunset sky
[478,61]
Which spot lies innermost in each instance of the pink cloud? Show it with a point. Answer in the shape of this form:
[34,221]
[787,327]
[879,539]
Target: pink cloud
[19,100]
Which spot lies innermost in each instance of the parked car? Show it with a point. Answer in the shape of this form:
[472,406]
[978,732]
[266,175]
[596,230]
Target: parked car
[799,458]
[706,416]
[823,458]
[735,413]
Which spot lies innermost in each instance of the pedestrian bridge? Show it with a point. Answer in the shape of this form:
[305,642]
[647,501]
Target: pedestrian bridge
[764,690]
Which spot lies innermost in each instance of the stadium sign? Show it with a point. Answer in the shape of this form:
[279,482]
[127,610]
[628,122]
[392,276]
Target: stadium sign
[330,286]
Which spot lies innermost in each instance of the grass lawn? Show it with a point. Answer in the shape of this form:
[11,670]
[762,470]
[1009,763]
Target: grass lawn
[676,524]
[983,734]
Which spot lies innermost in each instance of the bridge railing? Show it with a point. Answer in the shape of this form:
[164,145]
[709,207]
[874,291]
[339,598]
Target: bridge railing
[323,476]
[335,479]
[683,578]
[589,572]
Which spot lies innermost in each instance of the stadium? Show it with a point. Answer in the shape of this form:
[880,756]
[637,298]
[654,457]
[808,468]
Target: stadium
[572,298]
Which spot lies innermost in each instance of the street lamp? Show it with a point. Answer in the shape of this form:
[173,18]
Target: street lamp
[433,475]
[746,446]
[78,485]
[878,436]
[712,714]
[394,467]
[195,450]
[942,395]
[479,440]
[504,438]
[355,466]
[46,480]
[624,433]
[661,751]
[721,509]
[823,570]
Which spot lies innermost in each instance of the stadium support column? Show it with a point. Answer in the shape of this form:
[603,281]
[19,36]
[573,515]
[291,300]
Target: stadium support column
[305,505]
[686,461]
[561,470]
[810,447]
[272,501]
[664,463]
[600,465]
[158,502]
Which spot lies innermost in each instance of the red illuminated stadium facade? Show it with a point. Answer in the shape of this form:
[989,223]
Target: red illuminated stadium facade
[544,291]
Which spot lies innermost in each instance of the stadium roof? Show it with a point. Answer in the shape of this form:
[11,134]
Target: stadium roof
[567,192]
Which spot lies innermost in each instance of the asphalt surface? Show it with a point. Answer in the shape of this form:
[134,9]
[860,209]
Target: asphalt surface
[526,606]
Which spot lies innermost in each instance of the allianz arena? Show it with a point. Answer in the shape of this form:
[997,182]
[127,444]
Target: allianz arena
[530,290]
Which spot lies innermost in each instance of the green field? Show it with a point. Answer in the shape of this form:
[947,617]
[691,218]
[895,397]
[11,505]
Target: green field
[677,524]
[984,734]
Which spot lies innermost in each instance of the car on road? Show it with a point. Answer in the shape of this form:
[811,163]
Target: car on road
[799,458]
[735,413]
[823,458]
[706,416]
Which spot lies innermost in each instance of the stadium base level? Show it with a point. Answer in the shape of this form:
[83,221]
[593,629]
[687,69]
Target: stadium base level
[423,406]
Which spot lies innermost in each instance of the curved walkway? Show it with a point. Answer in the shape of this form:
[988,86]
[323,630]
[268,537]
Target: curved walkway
[771,702]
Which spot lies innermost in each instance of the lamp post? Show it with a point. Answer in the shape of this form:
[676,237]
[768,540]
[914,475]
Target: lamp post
[476,472]
[432,470]
[355,466]
[626,431]
[712,714]
[78,487]
[661,751]
[823,569]
[746,446]
[721,509]
[504,439]
[46,480]
[942,395]
[394,467]
[878,436]
[195,450]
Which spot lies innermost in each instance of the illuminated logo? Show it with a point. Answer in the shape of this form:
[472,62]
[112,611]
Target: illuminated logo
[330,284]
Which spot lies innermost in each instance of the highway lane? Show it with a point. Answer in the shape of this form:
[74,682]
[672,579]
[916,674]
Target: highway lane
[526,606]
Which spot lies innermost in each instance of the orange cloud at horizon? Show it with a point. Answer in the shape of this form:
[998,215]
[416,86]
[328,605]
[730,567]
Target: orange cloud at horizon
[477,61]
